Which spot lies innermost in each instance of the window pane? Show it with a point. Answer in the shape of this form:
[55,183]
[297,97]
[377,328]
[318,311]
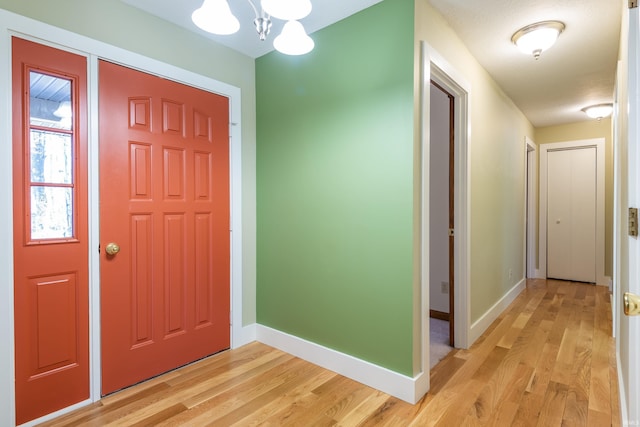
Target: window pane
[51,157]
[51,212]
[50,101]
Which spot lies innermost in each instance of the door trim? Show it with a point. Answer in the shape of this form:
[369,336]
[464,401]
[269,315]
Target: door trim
[531,218]
[435,67]
[12,24]
[446,76]
[598,144]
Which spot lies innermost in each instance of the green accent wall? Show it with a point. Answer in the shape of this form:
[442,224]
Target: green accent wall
[335,188]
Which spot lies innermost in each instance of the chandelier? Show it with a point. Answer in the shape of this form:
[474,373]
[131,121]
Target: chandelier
[215,16]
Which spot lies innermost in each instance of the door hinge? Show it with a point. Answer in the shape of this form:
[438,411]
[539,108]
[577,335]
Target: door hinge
[451,232]
[633,4]
[633,222]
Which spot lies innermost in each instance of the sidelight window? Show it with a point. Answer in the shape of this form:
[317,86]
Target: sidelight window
[51,158]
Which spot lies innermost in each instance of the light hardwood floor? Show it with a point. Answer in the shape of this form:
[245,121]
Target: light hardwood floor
[549,360]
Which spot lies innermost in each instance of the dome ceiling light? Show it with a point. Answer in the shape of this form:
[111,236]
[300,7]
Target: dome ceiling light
[536,38]
[599,111]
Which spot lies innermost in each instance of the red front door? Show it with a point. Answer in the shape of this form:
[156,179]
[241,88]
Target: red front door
[164,202]
[50,229]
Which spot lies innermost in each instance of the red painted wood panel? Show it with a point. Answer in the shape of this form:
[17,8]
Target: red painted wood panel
[174,173]
[202,171]
[172,117]
[165,295]
[203,273]
[55,332]
[51,274]
[140,114]
[175,270]
[141,279]
[202,125]
[140,171]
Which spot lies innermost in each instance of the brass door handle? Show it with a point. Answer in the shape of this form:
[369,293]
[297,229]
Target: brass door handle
[112,249]
[631,304]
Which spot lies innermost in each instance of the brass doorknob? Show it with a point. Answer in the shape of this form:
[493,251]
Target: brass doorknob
[112,249]
[631,304]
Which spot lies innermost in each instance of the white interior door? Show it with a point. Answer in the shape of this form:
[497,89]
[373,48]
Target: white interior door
[571,214]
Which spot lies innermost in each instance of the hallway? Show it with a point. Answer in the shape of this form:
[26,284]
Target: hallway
[549,359]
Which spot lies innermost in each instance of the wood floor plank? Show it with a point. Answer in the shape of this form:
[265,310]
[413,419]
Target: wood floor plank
[599,394]
[548,359]
[313,405]
[598,419]
[156,417]
[313,381]
[361,412]
[230,399]
[253,401]
[616,414]
[508,397]
[394,412]
[577,405]
[217,384]
[553,405]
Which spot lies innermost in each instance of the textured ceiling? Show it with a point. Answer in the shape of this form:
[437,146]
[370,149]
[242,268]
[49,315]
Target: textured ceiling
[579,70]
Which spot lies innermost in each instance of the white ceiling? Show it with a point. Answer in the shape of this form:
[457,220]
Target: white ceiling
[324,13]
[579,70]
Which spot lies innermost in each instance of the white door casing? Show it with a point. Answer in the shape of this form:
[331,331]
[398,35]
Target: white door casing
[531,208]
[441,72]
[436,68]
[598,145]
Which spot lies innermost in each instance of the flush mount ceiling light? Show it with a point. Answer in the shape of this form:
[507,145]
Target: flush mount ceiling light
[215,16]
[599,111]
[536,38]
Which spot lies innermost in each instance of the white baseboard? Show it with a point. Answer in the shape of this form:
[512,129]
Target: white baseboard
[410,390]
[243,335]
[481,325]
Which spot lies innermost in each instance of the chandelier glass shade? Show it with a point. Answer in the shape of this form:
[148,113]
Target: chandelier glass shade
[214,16]
[293,40]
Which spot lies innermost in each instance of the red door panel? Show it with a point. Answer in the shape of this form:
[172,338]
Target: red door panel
[164,200]
[50,229]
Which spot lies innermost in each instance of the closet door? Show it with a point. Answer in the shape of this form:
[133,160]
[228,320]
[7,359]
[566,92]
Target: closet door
[571,214]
